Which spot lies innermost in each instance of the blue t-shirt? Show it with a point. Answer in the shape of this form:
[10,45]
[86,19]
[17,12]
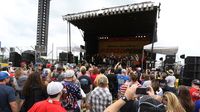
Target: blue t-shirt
[121,79]
[197,106]
[7,95]
[85,82]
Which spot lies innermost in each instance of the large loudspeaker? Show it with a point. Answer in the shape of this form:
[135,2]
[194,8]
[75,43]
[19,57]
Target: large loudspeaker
[170,59]
[70,57]
[192,60]
[191,69]
[66,57]
[76,59]
[15,58]
[169,62]
[63,56]
[28,57]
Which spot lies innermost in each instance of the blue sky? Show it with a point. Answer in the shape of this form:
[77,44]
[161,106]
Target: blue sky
[178,25]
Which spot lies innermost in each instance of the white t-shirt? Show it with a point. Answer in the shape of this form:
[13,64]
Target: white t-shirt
[159,92]
[146,83]
[170,80]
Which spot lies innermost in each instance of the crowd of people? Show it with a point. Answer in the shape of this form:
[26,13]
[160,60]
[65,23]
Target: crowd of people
[89,88]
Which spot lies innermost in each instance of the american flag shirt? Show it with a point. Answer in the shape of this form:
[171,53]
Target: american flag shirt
[71,95]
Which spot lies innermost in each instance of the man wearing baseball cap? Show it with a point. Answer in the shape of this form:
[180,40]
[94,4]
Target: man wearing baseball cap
[7,94]
[195,90]
[52,104]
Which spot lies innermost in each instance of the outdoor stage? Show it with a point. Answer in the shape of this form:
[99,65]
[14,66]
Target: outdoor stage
[119,31]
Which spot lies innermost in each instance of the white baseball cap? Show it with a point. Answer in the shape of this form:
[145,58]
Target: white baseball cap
[54,88]
[69,73]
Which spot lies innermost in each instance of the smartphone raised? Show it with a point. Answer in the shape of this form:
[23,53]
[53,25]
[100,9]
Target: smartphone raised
[142,90]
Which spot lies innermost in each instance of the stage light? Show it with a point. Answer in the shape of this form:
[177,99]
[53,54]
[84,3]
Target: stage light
[147,8]
[114,11]
[138,8]
[117,9]
[106,12]
[142,7]
[128,9]
[151,8]
[92,14]
[82,15]
[123,10]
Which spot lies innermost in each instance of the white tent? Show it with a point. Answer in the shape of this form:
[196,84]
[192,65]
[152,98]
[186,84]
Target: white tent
[73,48]
[161,49]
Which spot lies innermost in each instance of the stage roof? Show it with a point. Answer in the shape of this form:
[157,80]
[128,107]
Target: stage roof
[127,20]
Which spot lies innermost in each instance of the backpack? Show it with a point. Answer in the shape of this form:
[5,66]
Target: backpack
[149,104]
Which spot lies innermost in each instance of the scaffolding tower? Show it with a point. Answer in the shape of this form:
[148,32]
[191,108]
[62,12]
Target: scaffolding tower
[42,26]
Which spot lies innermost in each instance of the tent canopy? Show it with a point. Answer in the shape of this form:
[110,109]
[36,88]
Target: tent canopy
[161,49]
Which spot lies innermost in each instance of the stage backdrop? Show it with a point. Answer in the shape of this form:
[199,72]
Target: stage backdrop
[122,46]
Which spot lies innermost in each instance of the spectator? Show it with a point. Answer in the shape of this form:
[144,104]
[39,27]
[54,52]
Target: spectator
[194,90]
[121,77]
[100,97]
[58,75]
[164,85]
[93,75]
[156,87]
[147,103]
[185,98]
[113,83]
[72,93]
[147,81]
[34,90]
[134,80]
[85,81]
[172,103]
[102,74]
[52,104]
[19,82]
[7,95]
[46,78]
[39,68]
[197,106]
[171,79]
[131,105]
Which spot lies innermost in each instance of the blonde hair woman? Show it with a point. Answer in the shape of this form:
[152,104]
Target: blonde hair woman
[172,103]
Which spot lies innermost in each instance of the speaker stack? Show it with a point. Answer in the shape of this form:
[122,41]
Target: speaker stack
[28,57]
[66,57]
[15,58]
[76,59]
[63,56]
[70,57]
[191,70]
[169,62]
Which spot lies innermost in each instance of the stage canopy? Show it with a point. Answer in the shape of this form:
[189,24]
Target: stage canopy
[121,21]
[161,49]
